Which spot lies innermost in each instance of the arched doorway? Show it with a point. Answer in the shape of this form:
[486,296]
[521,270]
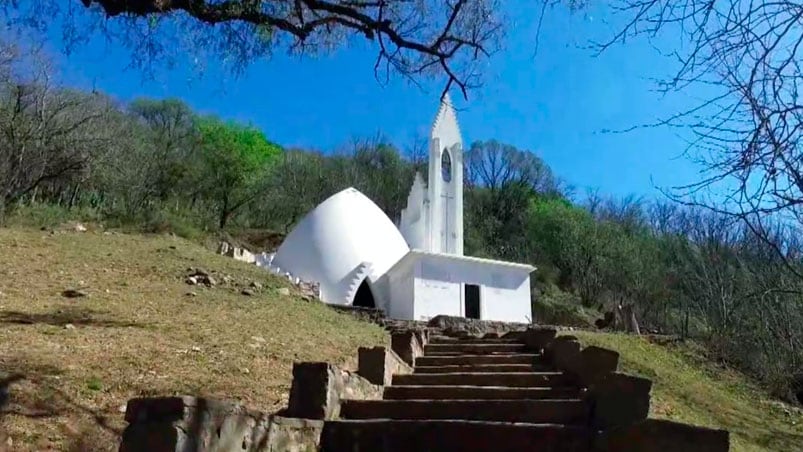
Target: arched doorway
[364,298]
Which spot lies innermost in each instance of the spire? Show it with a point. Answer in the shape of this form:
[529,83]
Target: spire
[446,127]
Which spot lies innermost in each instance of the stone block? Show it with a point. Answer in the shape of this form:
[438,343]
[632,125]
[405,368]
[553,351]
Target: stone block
[153,437]
[619,400]
[408,345]
[597,362]
[537,338]
[189,423]
[180,424]
[312,393]
[654,434]
[565,355]
[379,364]
[318,388]
[293,435]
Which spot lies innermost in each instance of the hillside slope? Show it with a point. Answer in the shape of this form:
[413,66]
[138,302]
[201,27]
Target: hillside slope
[74,362]
[686,388]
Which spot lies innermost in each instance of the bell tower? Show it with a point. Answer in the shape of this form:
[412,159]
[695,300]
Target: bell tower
[445,187]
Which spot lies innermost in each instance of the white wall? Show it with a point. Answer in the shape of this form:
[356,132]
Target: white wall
[435,293]
[400,292]
[438,289]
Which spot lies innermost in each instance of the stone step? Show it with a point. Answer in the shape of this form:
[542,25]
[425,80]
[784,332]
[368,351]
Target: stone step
[472,340]
[566,411]
[473,349]
[475,368]
[456,360]
[434,392]
[509,379]
[451,436]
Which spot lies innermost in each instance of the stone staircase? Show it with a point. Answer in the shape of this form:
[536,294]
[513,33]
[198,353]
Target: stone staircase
[468,394]
[433,389]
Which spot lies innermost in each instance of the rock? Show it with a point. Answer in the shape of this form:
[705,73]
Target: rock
[209,281]
[256,285]
[197,272]
[69,326]
[284,291]
[122,408]
[191,280]
[79,227]
[247,292]
[74,293]
[191,294]
[472,327]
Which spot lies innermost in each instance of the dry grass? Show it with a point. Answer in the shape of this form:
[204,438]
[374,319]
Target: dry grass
[688,389]
[138,333]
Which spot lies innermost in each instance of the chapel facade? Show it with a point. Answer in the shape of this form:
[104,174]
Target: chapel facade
[413,270]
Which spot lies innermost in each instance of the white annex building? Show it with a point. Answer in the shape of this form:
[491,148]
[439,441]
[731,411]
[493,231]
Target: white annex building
[415,270]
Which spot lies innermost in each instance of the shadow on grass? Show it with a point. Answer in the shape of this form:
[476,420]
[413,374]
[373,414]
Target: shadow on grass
[77,316]
[30,391]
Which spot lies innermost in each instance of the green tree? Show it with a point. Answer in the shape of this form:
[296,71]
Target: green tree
[233,164]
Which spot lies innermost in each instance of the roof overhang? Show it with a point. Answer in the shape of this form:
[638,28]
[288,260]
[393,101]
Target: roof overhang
[416,254]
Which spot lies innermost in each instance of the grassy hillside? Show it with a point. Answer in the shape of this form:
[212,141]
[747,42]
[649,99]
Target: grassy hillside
[75,362]
[689,389]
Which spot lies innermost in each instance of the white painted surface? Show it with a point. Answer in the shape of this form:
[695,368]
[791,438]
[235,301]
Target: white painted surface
[433,218]
[333,240]
[438,287]
[401,291]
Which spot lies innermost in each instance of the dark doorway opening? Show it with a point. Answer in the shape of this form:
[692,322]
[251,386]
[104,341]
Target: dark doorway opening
[364,298]
[472,301]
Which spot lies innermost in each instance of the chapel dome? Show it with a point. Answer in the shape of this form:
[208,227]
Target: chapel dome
[332,243]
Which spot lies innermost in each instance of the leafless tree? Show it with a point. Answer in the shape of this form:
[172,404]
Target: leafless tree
[494,165]
[444,38]
[47,134]
[747,133]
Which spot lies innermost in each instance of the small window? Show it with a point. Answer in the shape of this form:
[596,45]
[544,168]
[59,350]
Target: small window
[446,166]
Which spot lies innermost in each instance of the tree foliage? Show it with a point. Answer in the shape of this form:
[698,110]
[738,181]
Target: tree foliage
[234,161]
[158,166]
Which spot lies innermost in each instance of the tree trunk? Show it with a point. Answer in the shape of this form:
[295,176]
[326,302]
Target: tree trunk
[632,323]
[625,319]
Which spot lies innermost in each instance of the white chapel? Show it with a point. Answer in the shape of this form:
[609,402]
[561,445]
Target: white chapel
[414,270]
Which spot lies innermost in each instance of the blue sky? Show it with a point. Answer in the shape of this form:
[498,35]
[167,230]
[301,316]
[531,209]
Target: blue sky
[556,103]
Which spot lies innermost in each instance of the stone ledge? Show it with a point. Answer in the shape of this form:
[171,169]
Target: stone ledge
[318,388]
[662,435]
[619,400]
[173,424]
[379,364]
[409,345]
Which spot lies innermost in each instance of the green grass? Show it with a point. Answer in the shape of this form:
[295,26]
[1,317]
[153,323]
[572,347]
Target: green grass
[555,307]
[688,389]
[139,333]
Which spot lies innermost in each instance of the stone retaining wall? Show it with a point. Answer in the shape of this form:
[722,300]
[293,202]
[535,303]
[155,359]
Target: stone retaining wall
[173,424]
